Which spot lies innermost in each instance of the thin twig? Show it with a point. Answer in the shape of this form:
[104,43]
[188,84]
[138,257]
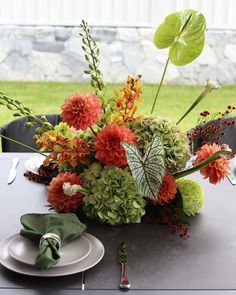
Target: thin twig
[24,145]
[159,88]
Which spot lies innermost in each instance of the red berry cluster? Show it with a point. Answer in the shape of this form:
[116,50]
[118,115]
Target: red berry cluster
[44,176]
[211,133]
[168,215]
[204,114]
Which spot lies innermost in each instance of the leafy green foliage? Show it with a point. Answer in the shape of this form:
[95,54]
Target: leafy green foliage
[184,33]
[149,170]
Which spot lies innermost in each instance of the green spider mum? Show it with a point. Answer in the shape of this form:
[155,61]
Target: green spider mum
[192,195]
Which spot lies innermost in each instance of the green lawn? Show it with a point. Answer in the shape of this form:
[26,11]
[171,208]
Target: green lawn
[172,102]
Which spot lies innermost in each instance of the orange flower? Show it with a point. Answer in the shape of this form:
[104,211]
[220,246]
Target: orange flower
[65,198]
[72,151]
[46,141]
[75,152]
[81,110]
[108,145]
[168,189]
[126,103]
[215,171]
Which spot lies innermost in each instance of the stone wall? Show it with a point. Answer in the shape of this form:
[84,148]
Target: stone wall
[55,54]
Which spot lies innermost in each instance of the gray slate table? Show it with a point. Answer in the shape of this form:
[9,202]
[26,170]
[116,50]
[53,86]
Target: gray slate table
[159,262]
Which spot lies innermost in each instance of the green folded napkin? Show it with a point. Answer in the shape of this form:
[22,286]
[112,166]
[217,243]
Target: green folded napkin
[66,225]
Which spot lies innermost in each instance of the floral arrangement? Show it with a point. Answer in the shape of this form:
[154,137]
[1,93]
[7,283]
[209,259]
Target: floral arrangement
[121,167]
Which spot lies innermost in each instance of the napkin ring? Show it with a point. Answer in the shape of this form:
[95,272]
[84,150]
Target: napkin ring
[51,236]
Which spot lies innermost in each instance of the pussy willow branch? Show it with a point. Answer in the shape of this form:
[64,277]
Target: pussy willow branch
[21,111]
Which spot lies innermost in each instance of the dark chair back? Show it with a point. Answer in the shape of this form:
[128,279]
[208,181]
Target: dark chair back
[17,131]
[226,133]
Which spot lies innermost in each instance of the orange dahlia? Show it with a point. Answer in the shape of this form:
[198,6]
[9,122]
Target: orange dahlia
[215,171]
[81,110]
[108,145]
[168,189]
[63,194]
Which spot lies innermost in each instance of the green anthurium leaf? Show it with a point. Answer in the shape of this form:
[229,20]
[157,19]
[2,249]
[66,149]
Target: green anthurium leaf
[149,170]
[184,33]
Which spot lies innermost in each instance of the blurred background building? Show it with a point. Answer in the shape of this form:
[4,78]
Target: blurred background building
[39,40]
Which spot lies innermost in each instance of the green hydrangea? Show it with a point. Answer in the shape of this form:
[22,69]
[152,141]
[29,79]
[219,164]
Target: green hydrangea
[111,196]
[87,136]
[64,130]
[175,141]
[192,195]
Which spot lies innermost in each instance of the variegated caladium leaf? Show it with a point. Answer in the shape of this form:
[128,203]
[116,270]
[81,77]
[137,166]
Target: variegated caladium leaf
[149,170]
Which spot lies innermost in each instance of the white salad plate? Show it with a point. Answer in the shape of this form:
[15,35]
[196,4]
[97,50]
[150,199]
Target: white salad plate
[95,255]
[25,250]
[33,164]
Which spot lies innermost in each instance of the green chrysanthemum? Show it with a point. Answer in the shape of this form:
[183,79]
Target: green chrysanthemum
[175,141]
[111,196]
[192,195]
